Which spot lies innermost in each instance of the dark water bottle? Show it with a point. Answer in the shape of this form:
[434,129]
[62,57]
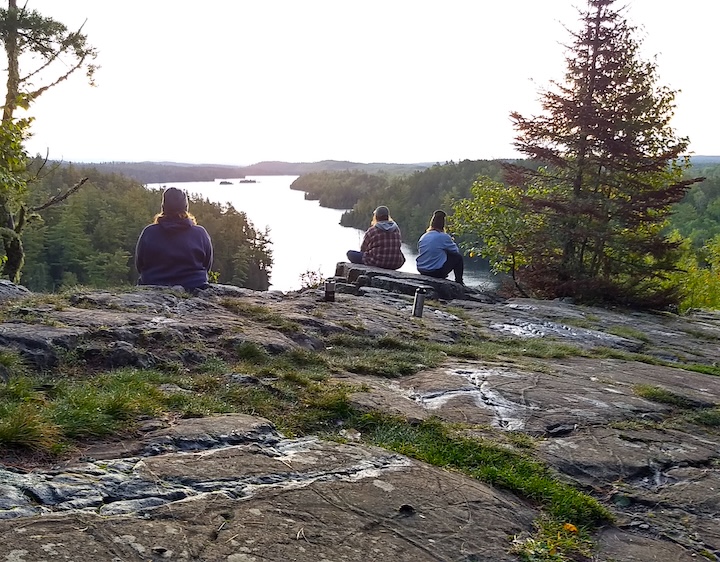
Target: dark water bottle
[419,302]
[329,291]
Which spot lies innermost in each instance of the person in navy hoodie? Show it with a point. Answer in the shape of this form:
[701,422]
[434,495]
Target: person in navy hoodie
[174,250]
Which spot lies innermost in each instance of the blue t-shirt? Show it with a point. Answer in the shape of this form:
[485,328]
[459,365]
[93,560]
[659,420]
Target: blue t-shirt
[431,250]
[174,252]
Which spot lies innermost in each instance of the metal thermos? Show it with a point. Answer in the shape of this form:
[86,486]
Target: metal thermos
[419,302]
[330,291]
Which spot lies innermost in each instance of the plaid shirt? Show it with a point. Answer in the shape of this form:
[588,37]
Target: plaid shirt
[381,248]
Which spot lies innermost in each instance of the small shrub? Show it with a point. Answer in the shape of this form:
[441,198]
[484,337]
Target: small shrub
[311,279]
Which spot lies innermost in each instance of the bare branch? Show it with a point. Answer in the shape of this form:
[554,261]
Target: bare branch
[39,91]
[60,197]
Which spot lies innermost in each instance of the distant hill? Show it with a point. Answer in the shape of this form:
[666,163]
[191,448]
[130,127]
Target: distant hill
[704,160]
[299,168]
[168,172]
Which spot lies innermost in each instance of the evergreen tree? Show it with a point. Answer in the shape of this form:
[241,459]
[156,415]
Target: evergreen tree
[90,238]
[50,53]
[612,168]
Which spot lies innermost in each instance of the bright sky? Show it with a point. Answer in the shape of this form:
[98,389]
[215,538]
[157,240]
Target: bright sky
[241,81]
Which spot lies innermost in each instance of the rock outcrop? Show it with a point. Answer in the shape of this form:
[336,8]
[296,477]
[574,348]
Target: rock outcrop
[233,488]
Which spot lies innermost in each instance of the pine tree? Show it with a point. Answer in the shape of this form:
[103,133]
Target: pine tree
[612,168]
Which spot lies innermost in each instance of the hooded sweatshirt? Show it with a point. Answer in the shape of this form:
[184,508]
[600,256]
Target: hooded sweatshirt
[381,246]
[174,251]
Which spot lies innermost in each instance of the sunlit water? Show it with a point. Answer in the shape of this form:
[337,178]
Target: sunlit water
[305,236]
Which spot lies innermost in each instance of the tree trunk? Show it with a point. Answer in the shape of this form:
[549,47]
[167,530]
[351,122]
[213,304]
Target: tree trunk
[11,50]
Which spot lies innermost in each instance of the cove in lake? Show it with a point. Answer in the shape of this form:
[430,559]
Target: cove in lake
[305,236]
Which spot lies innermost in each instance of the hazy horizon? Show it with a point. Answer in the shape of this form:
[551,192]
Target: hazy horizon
[401,82]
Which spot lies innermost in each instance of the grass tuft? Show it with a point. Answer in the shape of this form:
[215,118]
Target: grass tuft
[554,541]
[261,314]
[251,352]
[663,396]
[709,418]
[384,356]
[432,442]
[25,426]
[629,332]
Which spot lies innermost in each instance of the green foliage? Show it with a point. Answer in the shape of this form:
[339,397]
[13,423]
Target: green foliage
[13,194]
[11,364]
[629,332]
[49,54]
[90,238]
[707,417]
[413,198]
[384,356]
[432,442]
[492,224]
[663,396]
[554,541]
[592,217]
[341,189]
[261,314]
[699,275]
[697,216]
[502,349]
[26,425]
[252,353]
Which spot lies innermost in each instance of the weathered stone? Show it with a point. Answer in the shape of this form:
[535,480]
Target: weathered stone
[38,346]
[400,282]
[199,489]
[304,494]
[406,287]
[11,291]
[346,288]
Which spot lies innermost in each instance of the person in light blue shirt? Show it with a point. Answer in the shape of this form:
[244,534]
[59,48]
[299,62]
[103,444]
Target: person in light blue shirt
[438,254]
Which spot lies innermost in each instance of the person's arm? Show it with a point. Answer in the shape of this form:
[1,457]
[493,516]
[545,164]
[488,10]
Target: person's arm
[209,256]
[140,254]
[365,246]
[449,245]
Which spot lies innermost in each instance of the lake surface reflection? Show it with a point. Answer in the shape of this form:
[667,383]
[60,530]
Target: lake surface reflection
[305,236]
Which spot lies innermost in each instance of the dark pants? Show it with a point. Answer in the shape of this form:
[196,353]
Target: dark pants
[454,263]
[354,256]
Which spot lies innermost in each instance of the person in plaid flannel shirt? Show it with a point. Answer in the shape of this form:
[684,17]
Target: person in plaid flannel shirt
[381,244]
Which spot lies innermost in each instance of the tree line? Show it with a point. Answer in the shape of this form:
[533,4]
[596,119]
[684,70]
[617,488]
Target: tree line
[588,215]
[592,218]
[90,238]
[161,172]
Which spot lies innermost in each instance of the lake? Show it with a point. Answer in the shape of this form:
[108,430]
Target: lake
[305,236]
